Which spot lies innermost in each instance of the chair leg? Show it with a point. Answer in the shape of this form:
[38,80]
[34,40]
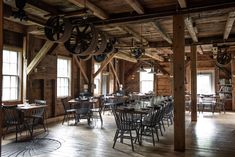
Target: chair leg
[132,145]
[4,133]
[153,137]
[164,125]
[160,129]
[115,138]
[16,133]
[64,119]
[101,119]
[157,133]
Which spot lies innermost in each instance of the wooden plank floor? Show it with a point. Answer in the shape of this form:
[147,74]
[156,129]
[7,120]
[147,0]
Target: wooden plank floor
[211,136]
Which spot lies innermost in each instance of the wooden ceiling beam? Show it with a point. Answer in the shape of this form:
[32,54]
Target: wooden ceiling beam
[154,56]
[189,25]
[135,34]
[98,12]
[201,41]
[229,24]
[104,63]
[182,3]
[163,34]
[135,4]
[130,18]
[40,55]
[43,6]
[123,56]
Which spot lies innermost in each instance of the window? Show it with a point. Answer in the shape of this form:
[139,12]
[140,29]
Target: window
[11,76]
[146,81]
[63,77]
[205,83]
[97,80]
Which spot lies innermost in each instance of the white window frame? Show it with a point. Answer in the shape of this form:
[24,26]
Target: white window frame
[66,77]
[17,75]
[141,80]
[212,76]
[97,80]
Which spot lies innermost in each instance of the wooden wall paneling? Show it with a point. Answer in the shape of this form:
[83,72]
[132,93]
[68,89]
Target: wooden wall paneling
[193,83]
[1,51]
[233,81]
[179,91]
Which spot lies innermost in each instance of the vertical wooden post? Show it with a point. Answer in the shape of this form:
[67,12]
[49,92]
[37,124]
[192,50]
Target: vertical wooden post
[24,89]
[1,52]
[193,83]
[233,81]
[179,93]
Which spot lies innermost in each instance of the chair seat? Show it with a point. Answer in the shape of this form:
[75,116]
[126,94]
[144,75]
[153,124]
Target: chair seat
[71,110]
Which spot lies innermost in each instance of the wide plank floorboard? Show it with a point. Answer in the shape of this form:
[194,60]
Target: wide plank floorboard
[211,136]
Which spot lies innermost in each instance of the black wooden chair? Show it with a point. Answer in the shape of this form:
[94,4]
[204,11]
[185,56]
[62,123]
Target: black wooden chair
[97,112]
[12,119]
[68,111]
[151,123]
[126,123]
[38,115]
[84,111]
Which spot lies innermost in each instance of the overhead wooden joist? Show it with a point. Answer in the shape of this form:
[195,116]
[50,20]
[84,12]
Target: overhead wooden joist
[229,24]
[182,3]
[104,63]
[137,36]
[124,56]
[189,25]
[81,69]
[96,10]
[40,55]
[163,34]
[201,41]
[43,6]
[127,18]
[115,73]
[154,56]
[135,4]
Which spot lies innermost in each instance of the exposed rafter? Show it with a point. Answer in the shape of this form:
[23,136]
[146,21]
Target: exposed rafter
[136,6]
[135,34]
[158,28]
[182,3]
[43,6]
[96,10]
[124,56]
[154,56]
[189,24]
[229,24]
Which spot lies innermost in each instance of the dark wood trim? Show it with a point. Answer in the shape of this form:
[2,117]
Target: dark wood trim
[179,90]
[193,83]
